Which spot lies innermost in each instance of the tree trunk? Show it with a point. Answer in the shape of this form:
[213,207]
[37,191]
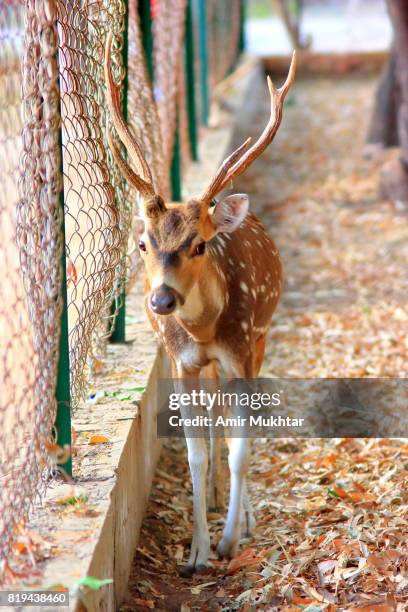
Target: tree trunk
[398,10]
[383,125]
[394,175]
[293,22]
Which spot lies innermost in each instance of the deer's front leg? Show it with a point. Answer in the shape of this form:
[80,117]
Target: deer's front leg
[238,460]
[198,462]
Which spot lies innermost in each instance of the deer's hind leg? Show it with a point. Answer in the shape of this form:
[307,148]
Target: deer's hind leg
[259,354]
[248,521]
[216,489]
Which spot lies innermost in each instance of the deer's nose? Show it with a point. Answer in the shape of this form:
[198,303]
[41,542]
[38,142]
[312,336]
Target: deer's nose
[163,300]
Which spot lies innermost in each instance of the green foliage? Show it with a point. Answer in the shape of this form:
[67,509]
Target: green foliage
[93,583]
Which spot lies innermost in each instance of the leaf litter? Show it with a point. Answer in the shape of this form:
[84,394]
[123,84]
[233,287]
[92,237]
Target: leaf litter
[332,514]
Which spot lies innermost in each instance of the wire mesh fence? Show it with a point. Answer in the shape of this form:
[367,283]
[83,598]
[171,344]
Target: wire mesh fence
[96,202]
[30,254]
[61,188]
[224,20]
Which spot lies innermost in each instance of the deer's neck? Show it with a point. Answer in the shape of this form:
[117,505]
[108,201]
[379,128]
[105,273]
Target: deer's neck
[204,303]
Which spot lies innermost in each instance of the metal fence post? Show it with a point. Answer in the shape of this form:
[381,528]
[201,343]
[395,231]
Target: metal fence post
[63,390]
[118,329]
[190,78]
[241,44]
[145,17]
[176,168]
[63,393]
[203,44]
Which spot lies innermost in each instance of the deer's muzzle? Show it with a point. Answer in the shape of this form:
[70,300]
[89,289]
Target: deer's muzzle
[163,300]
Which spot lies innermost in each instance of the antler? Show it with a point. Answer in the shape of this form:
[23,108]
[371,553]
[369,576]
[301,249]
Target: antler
[142,179]
[239,160]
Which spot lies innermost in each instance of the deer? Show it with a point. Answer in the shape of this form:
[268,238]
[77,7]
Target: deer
[213,281]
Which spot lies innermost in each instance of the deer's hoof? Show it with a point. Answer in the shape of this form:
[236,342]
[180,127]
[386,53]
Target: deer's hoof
[227,547]
[198,560]
[188,570]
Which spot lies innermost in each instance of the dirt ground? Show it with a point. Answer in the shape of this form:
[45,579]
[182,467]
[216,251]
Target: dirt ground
[332,523]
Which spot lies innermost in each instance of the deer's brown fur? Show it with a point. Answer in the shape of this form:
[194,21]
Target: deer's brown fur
[213,280]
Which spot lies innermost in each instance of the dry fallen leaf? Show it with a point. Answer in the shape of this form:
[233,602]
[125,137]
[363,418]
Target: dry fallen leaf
[144,603]
[98,439]
[197,588]
[247,558]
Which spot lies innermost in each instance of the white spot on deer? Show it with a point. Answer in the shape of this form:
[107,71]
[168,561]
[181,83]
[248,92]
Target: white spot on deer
[242,264]
[253,293]
[188,357]
[244,325]
[262,288]
[243,286]
[221,241]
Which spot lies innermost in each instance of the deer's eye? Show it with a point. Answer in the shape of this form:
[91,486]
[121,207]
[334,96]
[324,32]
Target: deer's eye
[199,250]
[142,246]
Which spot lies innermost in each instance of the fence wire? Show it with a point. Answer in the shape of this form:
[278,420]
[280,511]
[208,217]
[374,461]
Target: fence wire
[30,255]
[224,19]
[97,209]
[168,38]
[53,157]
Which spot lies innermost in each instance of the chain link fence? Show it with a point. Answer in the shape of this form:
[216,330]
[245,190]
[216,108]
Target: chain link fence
[30,254]
[224,24]
[63,201]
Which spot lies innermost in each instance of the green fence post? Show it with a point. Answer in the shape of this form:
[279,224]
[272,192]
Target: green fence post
[203,44]
[241,44]
[145,17]
[118,328]
[63,390]
[176,168]
[190,77]
[63,393]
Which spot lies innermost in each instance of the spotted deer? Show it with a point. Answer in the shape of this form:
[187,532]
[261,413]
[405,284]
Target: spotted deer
[213,280]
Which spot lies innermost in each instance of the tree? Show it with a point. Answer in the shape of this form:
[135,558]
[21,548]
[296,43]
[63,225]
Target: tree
[292,20]
[389,124]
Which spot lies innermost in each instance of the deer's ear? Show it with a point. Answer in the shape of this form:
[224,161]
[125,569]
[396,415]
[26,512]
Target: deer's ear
[228,214]
[151,207]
